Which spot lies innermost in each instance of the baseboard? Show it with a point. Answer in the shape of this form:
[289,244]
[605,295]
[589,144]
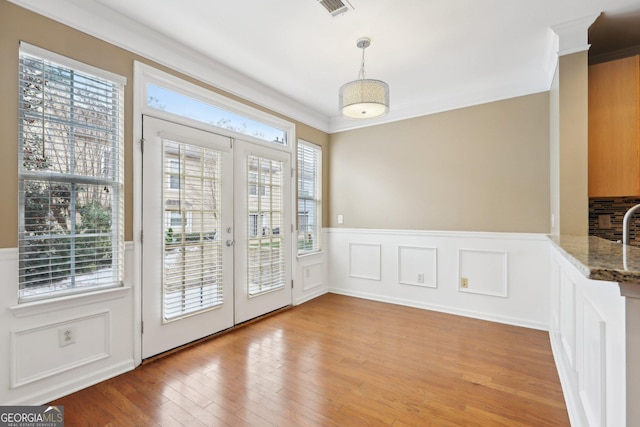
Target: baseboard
[311,295]
[444,309]
[576,414]
[45,396]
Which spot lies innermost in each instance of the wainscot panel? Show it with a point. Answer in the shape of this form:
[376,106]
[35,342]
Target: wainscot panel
[37,361]
[588,342]
[310,275]
[507,273]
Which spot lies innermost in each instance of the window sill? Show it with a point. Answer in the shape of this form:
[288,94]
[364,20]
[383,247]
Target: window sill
[310,255]
[54,304]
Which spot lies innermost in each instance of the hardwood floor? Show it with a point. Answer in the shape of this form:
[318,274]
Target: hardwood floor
[340,361]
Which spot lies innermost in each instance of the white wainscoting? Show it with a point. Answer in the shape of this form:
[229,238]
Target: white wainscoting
[485,272]
[588,341]
[91,342]
[310,276]
[508,273]
[36,366]
[418,266]
[364,260]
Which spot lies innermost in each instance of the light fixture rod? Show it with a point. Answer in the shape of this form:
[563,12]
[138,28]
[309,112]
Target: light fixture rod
[363,98]
[363,43]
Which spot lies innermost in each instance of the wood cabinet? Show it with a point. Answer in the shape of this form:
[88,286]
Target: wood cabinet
[614,128]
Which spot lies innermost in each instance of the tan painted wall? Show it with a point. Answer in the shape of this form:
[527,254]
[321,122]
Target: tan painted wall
[574,144]
[18,24]
[482,168]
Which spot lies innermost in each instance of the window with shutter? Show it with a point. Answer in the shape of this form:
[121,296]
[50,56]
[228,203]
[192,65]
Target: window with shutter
[265,257]
[192,262]
[309,191]
[70,176]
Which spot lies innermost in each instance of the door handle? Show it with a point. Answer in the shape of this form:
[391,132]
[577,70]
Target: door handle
[231,242]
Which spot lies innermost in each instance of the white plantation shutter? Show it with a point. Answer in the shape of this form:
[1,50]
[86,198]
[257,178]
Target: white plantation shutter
[70,176]
[192,261]
[265,251]
[309,208]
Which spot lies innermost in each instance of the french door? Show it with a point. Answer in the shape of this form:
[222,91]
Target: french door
[263,230]
[215,251]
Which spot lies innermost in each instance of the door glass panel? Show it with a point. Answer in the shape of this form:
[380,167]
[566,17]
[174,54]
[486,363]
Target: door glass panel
[265,249]
[192,262]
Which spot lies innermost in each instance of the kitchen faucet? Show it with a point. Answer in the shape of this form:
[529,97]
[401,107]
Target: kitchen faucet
[625,223]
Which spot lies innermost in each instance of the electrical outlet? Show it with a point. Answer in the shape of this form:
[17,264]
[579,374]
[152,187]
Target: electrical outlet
[464,282]
[420,277]
[66,336]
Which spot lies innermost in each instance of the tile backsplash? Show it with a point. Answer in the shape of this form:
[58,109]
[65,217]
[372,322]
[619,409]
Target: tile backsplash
[605,218]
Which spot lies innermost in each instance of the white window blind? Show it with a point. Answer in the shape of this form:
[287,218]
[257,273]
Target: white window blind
[70,176]
[265,251]
[309,208]
[192,262]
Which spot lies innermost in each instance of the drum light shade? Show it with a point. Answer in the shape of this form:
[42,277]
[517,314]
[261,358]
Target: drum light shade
[364,98]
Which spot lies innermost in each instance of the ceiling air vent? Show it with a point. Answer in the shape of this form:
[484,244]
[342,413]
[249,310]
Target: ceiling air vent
[336,7]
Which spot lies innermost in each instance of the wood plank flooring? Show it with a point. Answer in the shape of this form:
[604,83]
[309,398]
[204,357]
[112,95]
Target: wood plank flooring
[340,361]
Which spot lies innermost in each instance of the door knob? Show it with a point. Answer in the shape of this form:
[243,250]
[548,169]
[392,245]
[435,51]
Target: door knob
[231,242]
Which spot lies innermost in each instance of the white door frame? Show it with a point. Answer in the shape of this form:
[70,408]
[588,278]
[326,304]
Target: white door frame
[164,333]
[144,74]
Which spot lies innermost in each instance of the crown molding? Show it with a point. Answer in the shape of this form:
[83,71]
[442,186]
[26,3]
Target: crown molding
[617,54]
[104,23]
[573,35]
[99,21]
[454,102]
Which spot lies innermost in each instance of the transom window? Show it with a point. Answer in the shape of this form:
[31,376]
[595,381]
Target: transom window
[70,176]
[173,102]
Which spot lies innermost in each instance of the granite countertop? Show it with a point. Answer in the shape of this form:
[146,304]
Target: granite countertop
[601,259]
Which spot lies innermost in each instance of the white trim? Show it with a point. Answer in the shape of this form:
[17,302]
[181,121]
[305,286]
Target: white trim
[431,284]
[76,300]
[571,398]
[444,309]
[18,382]
[378,275]
[148,74]
[64,61]
[43,396]
[505,264]
[431,233]
[223,144]
[573,35]
[136,267]
[106,24]
[576,49]
[304,281]
[308,296]
[451,103]
[527,302]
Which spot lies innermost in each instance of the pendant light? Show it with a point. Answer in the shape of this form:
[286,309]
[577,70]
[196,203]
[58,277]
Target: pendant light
[364,98]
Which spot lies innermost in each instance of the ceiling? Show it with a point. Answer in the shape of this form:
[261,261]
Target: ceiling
[292,56]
